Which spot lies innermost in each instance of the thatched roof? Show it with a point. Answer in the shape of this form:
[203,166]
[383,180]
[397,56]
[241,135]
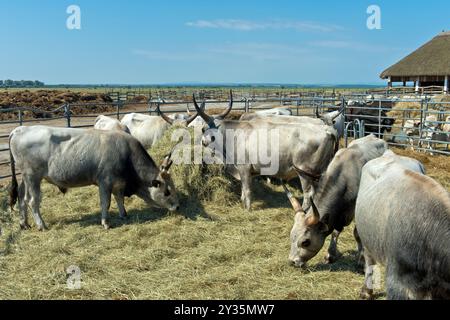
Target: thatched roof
[432,59]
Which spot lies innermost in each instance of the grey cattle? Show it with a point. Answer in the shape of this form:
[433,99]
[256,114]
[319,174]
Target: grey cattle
[333,203]
[275,111]
[334,119]
[306,146]
[68,158]
[403,220]
[106,123]
[149,129]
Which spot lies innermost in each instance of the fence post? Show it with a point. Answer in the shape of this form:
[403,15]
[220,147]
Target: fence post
[419,143]
[67,113]
[379,119]
[247,105]
[118,110]
[20,118]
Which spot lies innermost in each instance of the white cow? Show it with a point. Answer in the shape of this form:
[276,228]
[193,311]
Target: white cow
[275,111]
[149,129]
[106,123]
[71,158]
[403,221]
[411,129]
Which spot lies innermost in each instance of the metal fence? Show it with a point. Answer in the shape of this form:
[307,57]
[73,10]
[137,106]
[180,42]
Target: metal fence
[421,124]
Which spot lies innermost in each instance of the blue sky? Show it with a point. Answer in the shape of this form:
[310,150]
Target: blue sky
[154,42]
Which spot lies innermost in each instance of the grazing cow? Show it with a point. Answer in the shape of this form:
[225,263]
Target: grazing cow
[403,221]
[106,123]
[307,146]
[149,129]
[333,204]
[68,158]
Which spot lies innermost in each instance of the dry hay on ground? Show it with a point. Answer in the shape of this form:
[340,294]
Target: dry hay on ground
[211,249]
[49,100]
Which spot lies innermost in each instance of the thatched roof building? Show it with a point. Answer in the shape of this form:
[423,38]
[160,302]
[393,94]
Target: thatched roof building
[427,66]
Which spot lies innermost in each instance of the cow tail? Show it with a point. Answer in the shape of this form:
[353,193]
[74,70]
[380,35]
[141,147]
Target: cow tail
[14,188]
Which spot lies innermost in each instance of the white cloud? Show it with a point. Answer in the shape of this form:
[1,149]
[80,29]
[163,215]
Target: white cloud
[248,25]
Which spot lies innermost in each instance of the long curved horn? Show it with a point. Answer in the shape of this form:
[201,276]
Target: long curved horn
[200,112]
[167,162]
[314,217]
[191,118]
[166,118]
[294,202]
[230,106]
[341,111]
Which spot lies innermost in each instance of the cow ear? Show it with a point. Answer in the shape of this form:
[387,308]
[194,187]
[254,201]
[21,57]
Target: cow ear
[156,183]
[323,227]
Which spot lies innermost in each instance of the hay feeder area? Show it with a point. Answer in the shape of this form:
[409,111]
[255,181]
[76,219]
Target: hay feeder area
[211,249]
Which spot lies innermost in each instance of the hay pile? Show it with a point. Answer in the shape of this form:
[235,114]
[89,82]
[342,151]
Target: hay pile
[193,181]
[209,250]
[405,110]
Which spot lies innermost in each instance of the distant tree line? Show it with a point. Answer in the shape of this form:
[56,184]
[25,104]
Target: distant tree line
[21,83]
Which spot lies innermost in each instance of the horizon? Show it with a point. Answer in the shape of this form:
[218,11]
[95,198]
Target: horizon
[151,44]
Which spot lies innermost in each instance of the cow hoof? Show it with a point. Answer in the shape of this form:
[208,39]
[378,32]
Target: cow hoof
[361,262]
[332,258]
[105,224]
[42,228]
[25,226]
[124,217]
[366,294]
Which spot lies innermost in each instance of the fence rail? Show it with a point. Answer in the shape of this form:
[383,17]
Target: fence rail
[419,123]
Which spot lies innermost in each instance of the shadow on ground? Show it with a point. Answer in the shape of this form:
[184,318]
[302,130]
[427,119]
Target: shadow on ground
[190,207]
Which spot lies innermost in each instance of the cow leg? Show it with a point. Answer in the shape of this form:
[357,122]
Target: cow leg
[411,142]
[367,289]
[360,259]
[120,204]
[246,194]
[333,253]
[395,289]
[105,203]
[23,207]
[307,192]
[33,190]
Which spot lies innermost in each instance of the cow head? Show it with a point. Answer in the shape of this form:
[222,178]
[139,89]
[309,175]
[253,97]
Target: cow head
[308,233]
[388,123]
[162,190]
[330,118]
[212,123]
[177,120]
